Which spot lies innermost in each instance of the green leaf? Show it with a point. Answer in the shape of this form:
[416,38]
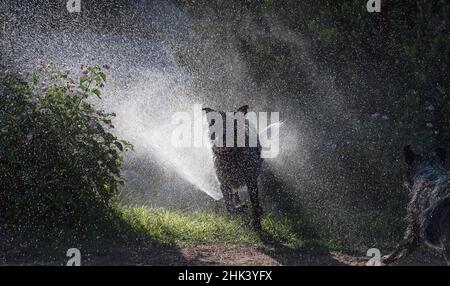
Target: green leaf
[96,92]
[119,145]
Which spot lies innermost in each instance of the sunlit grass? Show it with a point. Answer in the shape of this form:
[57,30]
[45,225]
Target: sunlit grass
[180,228]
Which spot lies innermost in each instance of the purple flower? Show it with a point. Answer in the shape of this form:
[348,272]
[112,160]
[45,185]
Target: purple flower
[111,126]
[92,124]
[99,111]
[113,114]
[106,66]
[429,125]
[43,84]
[29,137]
[375,115]
[67,71]
[385,117]
[84,71]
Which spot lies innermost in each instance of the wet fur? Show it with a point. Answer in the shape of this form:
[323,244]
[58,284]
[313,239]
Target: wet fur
[236,167]
[428,213]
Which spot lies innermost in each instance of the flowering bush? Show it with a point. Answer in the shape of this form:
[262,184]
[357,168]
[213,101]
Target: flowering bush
[58,159]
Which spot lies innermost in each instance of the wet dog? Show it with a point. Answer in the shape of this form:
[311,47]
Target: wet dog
[236,165]
[429,207]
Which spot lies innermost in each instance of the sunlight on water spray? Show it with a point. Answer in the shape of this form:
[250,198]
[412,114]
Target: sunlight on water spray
[146,120]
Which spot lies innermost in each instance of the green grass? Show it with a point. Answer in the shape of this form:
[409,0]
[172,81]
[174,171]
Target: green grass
[139,227]
[133,229]
[181,228]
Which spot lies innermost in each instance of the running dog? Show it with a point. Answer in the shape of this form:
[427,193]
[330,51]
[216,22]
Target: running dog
[236,166]
[429,207]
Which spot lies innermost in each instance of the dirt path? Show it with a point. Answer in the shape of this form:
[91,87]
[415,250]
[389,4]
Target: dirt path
[245,255]
[221,254]
[235,255]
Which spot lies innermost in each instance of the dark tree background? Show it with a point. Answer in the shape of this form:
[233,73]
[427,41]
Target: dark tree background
[391,69]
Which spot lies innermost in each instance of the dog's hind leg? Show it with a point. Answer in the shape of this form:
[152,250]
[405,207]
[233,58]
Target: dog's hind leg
[412,236]
[252,186]
[445,242]
[443,213]
[240,207]
[446,245]
[405,247]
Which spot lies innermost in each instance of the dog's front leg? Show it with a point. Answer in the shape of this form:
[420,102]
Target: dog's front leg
[446,247]
[405,247]
[228,198]
[256,207]
[447,253]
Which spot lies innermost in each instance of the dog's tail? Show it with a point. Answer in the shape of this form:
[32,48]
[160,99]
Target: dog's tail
[438,221]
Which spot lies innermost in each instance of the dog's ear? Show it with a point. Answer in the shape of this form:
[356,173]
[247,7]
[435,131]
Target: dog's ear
[207,109]
[243,109]
[410,156]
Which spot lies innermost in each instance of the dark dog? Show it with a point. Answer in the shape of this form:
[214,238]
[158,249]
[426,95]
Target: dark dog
[237,166]
[429,207]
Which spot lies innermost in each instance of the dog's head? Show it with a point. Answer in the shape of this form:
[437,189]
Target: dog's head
[217,121]
[417,162]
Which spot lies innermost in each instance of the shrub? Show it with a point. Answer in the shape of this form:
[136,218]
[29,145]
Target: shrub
[59,161]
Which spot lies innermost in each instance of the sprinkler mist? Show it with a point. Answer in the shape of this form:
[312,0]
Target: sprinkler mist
[152,134]
[146,85]
[164,60]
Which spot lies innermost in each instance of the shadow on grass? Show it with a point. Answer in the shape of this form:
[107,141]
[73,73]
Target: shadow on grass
[279,197]
[109,240]
[310,254]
